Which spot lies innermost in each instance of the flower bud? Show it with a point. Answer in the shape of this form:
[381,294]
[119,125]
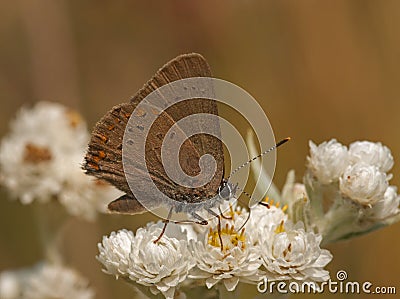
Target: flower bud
[363,183]
[327,161]
[371,153]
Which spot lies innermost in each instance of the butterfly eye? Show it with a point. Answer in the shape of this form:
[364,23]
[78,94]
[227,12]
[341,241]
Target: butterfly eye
[225,190]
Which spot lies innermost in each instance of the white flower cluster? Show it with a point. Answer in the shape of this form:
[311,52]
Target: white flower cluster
[347,190]
[40,160]
[360,170]
[268,246]
[44,281]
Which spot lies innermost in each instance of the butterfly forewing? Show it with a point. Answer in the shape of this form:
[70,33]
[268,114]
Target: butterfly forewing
[104,156]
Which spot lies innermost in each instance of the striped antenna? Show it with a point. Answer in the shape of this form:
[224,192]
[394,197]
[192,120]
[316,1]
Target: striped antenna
[245,193]
[259,156]
[248,162]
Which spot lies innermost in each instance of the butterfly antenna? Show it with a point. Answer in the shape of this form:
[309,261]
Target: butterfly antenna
[245,193]
[259,156]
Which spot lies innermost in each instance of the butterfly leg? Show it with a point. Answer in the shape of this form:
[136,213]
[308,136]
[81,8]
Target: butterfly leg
[247,219]
[218,227]
[222,213]
[166,221]
[202,221]
[265,204]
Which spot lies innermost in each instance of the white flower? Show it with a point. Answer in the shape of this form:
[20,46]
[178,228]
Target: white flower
[327,161]
[371,153]
[263,218]
[288,252]
[237,260]
[55,281]
[388,206]
[114,252]
[41,157]
[162,266]
[363,183]
[10,287]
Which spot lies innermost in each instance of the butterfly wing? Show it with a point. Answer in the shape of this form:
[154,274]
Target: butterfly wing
[104,156]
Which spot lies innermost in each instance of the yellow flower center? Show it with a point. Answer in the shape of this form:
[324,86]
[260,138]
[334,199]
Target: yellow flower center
[35,154]
[230,238]
[269,201]
[280,228]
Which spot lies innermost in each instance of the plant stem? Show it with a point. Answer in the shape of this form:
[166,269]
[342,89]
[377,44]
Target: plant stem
[50,219]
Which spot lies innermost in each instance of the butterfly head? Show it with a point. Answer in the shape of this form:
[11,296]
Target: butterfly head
[227,190]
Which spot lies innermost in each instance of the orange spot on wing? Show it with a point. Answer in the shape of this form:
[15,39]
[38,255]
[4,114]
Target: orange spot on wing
[93,166]
[102,138]
[102,154]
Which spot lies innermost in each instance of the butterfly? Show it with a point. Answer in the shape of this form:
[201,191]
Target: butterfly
[104,158]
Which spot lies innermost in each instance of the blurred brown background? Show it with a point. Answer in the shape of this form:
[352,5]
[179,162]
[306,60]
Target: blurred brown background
[320,69]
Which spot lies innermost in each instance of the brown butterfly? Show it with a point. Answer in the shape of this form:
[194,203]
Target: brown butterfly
[104,156]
